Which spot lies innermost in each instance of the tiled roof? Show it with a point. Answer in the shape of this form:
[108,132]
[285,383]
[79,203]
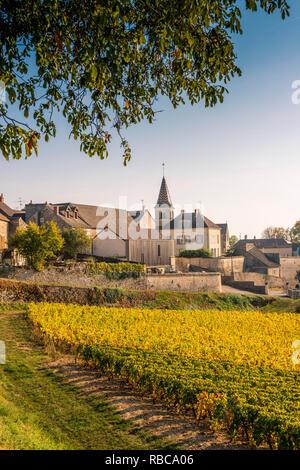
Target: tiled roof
[8,211]
[3,218]
[265,242]
[191,220]
[92,216]
[244,250]
[164,197]
[224,228]
[258,254]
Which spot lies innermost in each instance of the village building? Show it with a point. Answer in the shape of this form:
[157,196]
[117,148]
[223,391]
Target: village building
[224,238]
[10,220]
[132,235]
[188,230]
[271,246]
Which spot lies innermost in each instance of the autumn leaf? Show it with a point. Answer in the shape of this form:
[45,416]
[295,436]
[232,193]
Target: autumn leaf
[58,41]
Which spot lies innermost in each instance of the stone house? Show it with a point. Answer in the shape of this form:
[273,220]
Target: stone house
[10,220]
[4,231]
[255,260]
[272,246]
[114,232]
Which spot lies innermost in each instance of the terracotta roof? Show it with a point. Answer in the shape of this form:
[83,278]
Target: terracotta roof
[164,197]
[191,220]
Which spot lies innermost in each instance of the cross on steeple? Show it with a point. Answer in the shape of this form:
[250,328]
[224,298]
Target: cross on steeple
[163,166]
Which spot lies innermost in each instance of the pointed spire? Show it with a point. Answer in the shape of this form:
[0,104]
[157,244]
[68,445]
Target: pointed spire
[164,197]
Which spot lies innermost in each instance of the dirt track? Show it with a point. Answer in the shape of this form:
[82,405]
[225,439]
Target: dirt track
[154,417]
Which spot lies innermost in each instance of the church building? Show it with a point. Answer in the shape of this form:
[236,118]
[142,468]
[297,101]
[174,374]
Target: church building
[188,230]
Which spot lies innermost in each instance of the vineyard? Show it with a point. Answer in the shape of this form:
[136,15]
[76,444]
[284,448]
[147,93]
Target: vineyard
[232,368]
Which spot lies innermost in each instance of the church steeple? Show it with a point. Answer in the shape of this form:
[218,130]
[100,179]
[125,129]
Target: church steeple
[164,211]
[164,194]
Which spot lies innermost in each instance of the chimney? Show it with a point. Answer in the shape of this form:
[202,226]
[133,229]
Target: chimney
[1,198]
[246,237]
[56,209]
[197,212]
[182,211]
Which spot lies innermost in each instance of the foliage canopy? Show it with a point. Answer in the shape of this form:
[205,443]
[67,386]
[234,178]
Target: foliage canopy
[104,63]
[75,240]
[37,244]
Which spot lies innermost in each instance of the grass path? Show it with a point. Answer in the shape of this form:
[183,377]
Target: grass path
[41,410]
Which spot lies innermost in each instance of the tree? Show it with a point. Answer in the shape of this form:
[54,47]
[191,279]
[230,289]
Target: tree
[75,240]
[233,240]
[37,244]
[97,61]
[295,233]
[276,232]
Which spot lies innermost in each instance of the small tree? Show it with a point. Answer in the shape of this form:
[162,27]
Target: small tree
[75,240]
[276,232]
[295,232]
[233,240]
[37,244]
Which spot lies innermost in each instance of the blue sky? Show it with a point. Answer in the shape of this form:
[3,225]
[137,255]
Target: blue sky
[240,158]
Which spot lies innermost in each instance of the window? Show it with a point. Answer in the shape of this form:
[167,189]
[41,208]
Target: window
[158,250]
[178,241]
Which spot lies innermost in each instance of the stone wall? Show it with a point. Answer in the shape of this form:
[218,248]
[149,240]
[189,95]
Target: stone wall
[193,282]
[225,266]
[289,268]
[73,274]
[261,279]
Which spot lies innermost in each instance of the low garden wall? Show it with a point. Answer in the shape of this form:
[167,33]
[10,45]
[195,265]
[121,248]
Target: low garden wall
[192,282]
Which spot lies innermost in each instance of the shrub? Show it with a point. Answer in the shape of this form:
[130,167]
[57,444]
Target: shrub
[117,271]
[201,253]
